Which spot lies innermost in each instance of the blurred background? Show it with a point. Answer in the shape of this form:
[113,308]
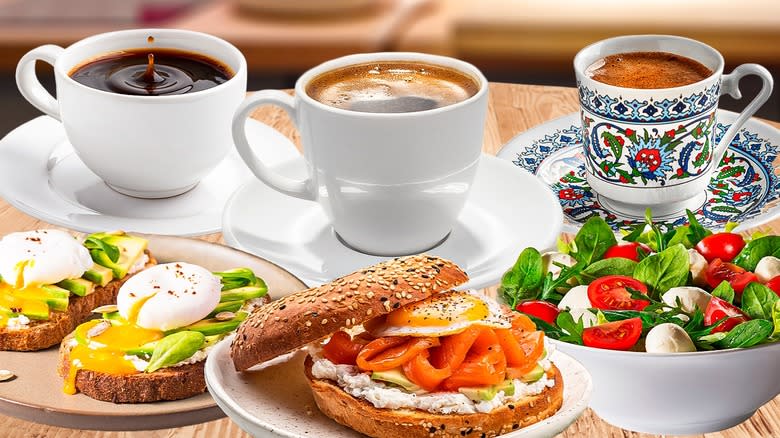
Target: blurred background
[519,41]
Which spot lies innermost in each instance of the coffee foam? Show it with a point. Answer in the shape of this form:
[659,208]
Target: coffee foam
[392,87]
[647,70]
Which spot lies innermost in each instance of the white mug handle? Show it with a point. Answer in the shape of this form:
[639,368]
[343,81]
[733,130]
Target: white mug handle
[730,85]
[28,82]
[299,188]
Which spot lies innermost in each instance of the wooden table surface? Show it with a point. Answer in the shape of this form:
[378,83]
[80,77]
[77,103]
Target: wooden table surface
[513,109]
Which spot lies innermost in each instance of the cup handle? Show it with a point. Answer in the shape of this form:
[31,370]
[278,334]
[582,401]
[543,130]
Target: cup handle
[730,85]
[299,188]
[28,82]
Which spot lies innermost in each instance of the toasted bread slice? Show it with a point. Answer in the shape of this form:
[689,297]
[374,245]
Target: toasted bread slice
[44,334]
[363,417]
[173,383]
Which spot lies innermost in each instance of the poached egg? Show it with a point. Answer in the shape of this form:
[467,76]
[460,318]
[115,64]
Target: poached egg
[441,314]
[168,296]
[42,257]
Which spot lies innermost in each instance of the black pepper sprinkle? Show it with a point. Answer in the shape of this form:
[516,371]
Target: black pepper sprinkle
[511,406]
[515,426]
[282,306]
[396,305]
[431,429]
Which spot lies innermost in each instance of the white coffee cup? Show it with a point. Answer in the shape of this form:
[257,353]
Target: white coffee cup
[391,183]
[143,146]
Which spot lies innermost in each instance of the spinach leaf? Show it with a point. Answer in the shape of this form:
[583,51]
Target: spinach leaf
[707,342]
[724,291]
[93,244]
[593,240]
[697,232]
[757,249]
[664,270]
[573,329]
[747,334]
[758,300]
[635,233]
[550,330]
[776,320]
[523,280]
[604,267]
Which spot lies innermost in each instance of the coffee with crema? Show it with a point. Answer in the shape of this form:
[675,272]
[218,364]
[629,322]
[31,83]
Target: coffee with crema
[647,70]
[392,87]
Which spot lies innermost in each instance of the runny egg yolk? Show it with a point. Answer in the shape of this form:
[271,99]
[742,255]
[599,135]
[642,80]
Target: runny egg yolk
[30,300]
[440,310]
[106,351]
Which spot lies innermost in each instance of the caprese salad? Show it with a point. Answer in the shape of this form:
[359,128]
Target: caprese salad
[653,288]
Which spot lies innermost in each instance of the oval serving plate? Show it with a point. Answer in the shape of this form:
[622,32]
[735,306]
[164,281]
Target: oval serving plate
[36,393]
[276,401]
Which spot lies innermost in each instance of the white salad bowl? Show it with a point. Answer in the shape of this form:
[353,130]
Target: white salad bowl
[679,393]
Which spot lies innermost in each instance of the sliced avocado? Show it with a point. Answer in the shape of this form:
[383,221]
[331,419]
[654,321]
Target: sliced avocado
[144,350]
[214,326]
[228,306]
[35,309]
[508,386]
[396,377]
[99,274]
[78,286]
[213,339]
[478,394]
[113,316]
[533,375]
[243,293]
[131,248]
[55,297]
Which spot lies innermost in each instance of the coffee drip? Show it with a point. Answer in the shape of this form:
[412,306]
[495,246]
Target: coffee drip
[158,73]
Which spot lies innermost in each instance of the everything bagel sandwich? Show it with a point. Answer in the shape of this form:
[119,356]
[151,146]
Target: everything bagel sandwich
[395,352]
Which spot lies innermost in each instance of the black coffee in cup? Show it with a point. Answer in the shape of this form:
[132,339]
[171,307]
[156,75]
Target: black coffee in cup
[155,72]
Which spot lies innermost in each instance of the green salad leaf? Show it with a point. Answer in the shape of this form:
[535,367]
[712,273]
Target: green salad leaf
[593,240]
[549,330]
[664,270]
[93,244]
[724,291]
[175,348]
[776,321]
[758,301]
[551,287]
[524,279]
[573,329]
[747,334]
[757,249]
[604,267]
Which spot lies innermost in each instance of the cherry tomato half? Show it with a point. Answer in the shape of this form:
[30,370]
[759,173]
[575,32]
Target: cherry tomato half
[627,251]
[724,246]
[718,309]
[738,278]
[617,335]
[728,324]
[540,309]
[774,284]
[609,293]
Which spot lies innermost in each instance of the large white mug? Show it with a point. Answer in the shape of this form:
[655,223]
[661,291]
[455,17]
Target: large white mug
[143,146]
[391,183]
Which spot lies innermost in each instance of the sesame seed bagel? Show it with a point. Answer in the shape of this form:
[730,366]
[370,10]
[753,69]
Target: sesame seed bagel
[362,416]
[314,314]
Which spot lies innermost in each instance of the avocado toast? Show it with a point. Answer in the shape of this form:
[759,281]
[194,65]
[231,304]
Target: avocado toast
[37,316]
[152,344]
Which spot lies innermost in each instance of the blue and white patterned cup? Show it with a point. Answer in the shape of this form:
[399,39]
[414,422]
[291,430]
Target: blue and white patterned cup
[656,147]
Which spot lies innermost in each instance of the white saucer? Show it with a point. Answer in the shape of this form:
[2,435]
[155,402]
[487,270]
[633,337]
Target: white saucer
[277,402]
[506,212]
[41,175]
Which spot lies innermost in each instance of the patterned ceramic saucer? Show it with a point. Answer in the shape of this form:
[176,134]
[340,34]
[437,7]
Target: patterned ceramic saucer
[745,188]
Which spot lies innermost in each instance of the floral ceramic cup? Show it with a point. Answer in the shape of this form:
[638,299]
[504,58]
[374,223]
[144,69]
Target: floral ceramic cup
[656,147]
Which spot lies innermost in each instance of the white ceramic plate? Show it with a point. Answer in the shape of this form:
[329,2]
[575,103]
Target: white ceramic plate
[745,188]
[506,211]
[36,393]
[277,402]
[41,175]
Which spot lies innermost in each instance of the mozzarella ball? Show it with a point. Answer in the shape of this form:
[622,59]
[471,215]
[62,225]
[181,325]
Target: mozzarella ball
[668,338]
[698,267]
[575,298]
[690,298]
[768,268]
